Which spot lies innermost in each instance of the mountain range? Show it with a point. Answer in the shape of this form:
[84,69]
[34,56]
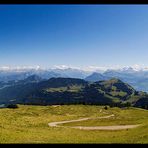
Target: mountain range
[136,77]
[38,91]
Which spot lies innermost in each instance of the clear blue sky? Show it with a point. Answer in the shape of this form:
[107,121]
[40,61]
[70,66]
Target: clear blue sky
[77,35]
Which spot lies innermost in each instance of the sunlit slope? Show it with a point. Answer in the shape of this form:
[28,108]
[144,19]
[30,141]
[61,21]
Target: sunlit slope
[29,124]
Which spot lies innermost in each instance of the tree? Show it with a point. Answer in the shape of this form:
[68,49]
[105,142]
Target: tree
[68,87]
[127,104]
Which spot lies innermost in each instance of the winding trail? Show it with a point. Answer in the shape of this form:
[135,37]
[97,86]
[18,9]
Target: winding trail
[70,121]
[115,127]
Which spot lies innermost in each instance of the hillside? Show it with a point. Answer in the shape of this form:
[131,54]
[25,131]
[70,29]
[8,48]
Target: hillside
[117,88]
[29,124]
[72,91]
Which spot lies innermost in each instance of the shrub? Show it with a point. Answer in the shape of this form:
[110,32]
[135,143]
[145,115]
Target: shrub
[105,107]
[12,106]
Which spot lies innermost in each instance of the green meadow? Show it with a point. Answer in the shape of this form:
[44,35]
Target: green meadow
[29,124]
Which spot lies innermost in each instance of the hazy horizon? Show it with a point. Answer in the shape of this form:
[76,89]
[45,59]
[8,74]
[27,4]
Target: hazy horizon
[89,68]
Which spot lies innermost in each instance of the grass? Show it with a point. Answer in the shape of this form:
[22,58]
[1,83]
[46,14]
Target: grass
[73,88]
[120,93]
[29,124]
[122,117]
[59,89]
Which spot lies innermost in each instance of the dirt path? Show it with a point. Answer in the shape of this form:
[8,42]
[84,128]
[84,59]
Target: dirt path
[77,120]
[116,127]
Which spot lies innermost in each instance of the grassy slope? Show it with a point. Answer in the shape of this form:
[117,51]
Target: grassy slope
[29,124]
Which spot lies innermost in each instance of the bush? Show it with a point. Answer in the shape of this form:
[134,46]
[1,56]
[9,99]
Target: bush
[105,107]
[12,106]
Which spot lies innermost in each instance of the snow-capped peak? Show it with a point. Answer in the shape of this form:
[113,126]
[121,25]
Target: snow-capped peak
[134,68]
[99,69]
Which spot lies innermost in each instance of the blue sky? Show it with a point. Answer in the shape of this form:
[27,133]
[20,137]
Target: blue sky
[77,35]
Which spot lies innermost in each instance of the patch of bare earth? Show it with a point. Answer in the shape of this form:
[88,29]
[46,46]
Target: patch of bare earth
[116,127]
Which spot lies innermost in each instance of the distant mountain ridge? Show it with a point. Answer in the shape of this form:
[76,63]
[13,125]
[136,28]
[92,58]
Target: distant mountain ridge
[136,77]
[96,77]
